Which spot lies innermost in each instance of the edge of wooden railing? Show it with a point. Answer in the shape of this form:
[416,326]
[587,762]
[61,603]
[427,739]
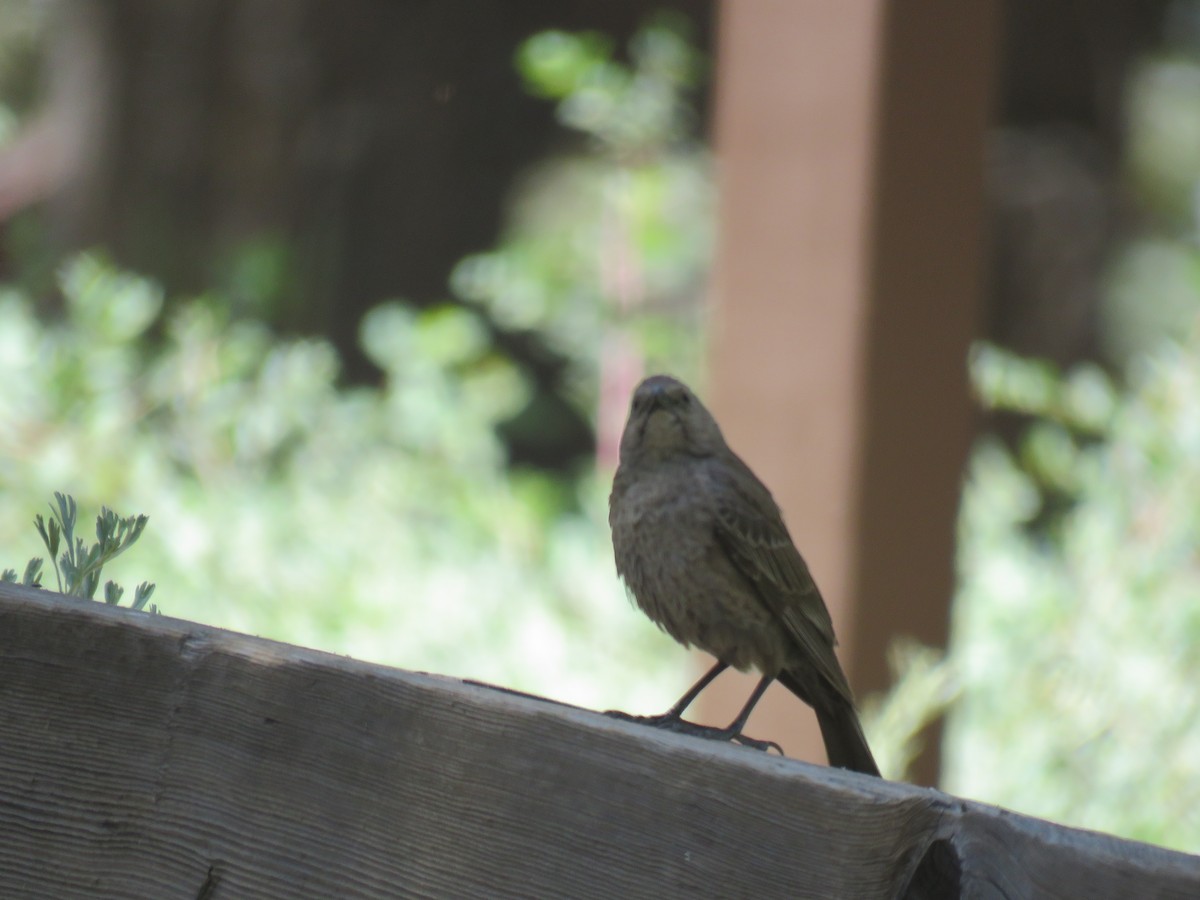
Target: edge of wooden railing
[148,756]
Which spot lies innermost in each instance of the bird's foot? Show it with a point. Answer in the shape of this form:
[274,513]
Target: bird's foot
[665,720]
[678,725]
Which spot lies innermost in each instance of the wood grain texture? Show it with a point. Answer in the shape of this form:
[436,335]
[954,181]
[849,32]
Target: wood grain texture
[149,757]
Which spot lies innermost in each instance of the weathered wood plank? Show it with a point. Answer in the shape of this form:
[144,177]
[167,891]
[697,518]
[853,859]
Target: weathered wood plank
[149,757]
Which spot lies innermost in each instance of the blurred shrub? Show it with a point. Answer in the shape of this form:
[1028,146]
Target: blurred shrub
[1151,284]
[379,523]
[610,243]
[634,110]
[385,523]
[1076,646]
[1075,653]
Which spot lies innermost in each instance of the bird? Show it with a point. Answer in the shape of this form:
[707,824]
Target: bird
[701,546]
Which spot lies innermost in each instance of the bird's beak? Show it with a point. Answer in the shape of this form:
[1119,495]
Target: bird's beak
[655,396]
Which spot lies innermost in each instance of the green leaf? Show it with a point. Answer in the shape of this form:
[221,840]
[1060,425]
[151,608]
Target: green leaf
[67,513]
[78,568]
[141,594]
[556,63]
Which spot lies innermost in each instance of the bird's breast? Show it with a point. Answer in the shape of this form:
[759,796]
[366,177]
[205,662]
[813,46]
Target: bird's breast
[665,542]
[661,531]
[658,517]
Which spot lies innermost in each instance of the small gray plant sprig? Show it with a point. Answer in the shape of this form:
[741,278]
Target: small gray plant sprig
[78,568]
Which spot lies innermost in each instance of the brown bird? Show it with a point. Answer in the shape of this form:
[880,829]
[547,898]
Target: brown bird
[701,545]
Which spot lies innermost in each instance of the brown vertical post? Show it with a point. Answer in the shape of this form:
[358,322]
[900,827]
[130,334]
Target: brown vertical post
[849,272]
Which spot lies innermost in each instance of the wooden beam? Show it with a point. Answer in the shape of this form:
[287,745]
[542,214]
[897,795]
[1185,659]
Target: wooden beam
[143,756]
[849,272]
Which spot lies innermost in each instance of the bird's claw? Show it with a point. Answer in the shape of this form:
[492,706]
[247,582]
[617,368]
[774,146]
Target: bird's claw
[625,717]
[665,720]
[754,744]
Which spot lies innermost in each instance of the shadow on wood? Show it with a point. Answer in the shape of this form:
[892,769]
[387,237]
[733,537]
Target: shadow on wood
[150,757]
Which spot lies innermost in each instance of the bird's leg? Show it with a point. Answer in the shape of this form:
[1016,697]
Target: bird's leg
[675,713]
[672,719]
[734,731]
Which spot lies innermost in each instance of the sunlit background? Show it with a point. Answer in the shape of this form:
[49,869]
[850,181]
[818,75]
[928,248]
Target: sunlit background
[351,306]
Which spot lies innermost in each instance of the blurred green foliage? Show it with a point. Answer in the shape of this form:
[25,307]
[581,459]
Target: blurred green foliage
[380,523]
[385,522]
[632,109]
[615,238]
[1076,649]
[1075,652]
[1152,286]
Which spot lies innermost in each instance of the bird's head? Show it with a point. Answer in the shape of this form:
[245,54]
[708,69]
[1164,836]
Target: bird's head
[666,419]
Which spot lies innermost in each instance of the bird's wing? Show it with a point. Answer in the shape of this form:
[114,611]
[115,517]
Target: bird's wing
[751,530]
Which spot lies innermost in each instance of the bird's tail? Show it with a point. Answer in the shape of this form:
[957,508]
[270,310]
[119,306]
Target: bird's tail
[845,744]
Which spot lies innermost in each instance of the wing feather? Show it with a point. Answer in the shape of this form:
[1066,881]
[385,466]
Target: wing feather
[750,528]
